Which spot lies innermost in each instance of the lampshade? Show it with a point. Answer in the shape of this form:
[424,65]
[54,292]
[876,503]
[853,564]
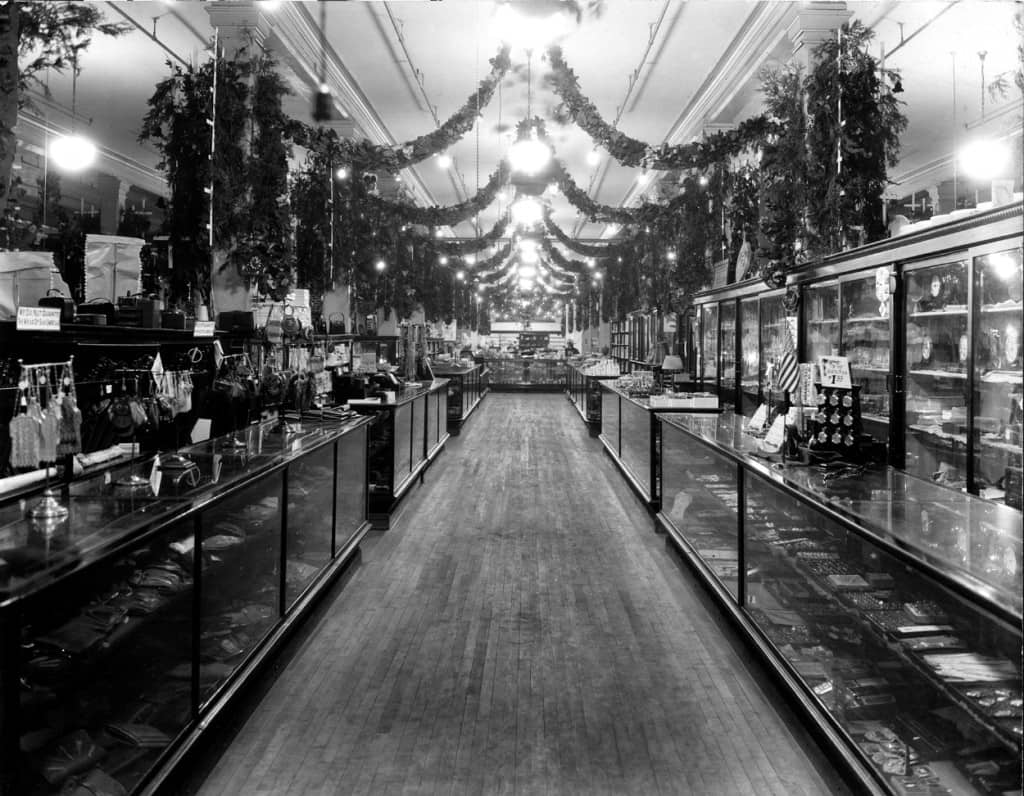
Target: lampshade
[672,362]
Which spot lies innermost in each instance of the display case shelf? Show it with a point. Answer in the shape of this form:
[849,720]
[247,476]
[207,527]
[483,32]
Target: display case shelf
[939,374]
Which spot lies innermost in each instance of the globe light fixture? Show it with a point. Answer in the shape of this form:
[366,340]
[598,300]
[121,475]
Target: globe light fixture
[591,262]
[985,160]
[444,161]
[526,285]
[470,259]
[72,152]
[530,26]
[380,265]
[341,173]
[671,255]
[527,212]
[460,275]
[443,260]
[529,155]
[593,157]
[643,178]
[527,271]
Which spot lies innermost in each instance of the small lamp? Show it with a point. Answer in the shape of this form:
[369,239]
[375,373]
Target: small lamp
[671,365]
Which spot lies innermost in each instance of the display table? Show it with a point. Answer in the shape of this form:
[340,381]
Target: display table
[890,607]
[631,434]
[584,393]
[405,438]
[129,626]
[467,386]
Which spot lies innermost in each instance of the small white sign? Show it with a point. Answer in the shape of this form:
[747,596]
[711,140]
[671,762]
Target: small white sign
[776,434]
[201,430]
[155,477]
[204,329]
[38,319]
[758,420]
[835,372]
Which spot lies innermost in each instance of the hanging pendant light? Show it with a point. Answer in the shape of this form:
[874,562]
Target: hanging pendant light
[73,152]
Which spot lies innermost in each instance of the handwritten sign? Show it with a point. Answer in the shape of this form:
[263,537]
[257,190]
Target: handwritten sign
[204,329]
[835,372]
[38,319]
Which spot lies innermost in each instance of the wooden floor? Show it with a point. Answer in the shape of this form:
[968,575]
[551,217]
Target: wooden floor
[521,629]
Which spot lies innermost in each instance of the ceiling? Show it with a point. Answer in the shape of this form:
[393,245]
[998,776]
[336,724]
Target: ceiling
[664,70]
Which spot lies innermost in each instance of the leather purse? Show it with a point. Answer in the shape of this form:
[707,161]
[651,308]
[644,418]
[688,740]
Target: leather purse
[55,299]
[291,326]
[273,329]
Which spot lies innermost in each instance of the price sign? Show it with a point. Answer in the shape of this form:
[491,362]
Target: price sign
[835,372]
[38,319]
[204,329]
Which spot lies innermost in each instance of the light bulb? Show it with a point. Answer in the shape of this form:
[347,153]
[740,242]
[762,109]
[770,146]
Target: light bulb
[444,161]
[72,152]
[527,211]
[643,178]
[529,155]
[443,260]
[526,284]
[527,271]
[460,275]
[470,259]
[380,265]
[341,173]
[985,160]
[593,157]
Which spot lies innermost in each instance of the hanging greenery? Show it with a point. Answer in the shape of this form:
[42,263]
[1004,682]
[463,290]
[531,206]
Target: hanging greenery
[783,172]
[177,124]
[628,151]
[610,249]
[479,243]
[263,254]
[853,136]
[444,216]
[364,156]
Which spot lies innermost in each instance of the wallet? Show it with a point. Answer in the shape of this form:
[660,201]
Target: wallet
[142,735]
[71,755]
[96,783]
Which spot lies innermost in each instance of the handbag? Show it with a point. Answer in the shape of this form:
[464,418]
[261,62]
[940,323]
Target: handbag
[291,326]
[273,329]
[55,299]
[336,323]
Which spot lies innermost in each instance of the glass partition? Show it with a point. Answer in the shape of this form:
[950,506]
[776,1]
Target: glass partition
[774,328]
[750,355]
[310,520]
[636,442]
[998,378]
[866,342]
[610,418]
[821,321]
[727,345]
[936,366]
[709,346]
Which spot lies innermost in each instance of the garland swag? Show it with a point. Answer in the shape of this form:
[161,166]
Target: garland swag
[715,148]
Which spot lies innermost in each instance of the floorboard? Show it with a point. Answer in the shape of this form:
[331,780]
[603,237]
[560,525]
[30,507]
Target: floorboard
[520,629]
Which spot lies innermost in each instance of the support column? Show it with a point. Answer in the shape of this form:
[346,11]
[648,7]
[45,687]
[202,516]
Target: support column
[815,22]
[113,191]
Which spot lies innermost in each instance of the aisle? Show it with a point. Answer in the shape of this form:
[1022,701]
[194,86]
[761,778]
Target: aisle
[521,629]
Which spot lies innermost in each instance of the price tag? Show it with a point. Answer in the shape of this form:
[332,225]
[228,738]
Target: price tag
[758,420]
[201,430]
[38,319]
[776,434]
[835,372]
[155,477]
[204,329]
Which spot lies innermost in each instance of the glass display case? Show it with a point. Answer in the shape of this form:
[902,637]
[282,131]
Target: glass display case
[772,341]
[465,390]
[126,624]
[821,321]
[709,347]
[998,378]
[889,606]
[632,436]
[867,342]
[400,444]
[584,392]
[727,348]
[750,392]
[935,364]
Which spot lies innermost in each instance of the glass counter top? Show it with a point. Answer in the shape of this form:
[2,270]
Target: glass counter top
[120,504]
[453,370]
[975,542]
